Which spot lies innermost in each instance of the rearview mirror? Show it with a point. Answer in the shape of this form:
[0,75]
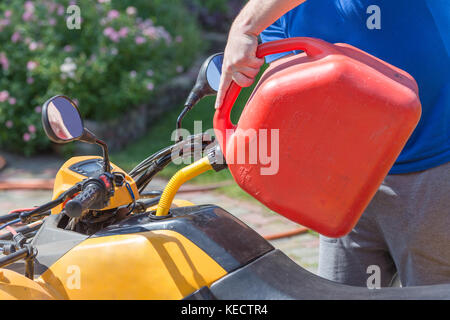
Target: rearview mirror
[62,123]
[208,81]
[214,71]
[61,120]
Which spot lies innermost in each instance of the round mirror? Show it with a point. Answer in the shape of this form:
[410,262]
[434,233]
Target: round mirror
[214,71]
[62,120]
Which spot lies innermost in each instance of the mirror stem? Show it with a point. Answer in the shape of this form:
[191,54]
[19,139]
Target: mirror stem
[193,98]
[107,167]
[187,107]
[89,137]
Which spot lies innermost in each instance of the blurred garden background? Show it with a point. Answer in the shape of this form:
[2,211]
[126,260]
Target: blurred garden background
[129,67]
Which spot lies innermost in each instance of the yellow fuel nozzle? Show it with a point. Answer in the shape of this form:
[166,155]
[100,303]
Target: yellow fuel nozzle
[185,174]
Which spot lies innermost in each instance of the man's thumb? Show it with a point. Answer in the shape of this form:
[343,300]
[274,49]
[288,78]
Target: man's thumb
[218,102]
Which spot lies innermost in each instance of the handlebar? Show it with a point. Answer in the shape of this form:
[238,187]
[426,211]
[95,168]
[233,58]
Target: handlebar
[93,196]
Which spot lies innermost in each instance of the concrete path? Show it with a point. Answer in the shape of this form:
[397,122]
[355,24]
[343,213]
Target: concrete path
[302,248]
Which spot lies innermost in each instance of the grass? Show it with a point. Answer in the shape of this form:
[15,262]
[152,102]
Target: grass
[159,136]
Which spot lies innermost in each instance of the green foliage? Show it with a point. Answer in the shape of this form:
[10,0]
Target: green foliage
[160,134]
[212,5]
[123,52]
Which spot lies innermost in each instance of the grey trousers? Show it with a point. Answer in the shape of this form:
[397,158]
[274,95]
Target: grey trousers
[405,230]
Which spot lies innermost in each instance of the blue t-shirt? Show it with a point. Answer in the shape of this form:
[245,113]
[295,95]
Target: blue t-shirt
[413,35]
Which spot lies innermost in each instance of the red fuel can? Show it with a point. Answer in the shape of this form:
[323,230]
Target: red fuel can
[320,132]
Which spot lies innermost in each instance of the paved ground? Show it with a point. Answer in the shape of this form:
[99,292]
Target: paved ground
[301,248]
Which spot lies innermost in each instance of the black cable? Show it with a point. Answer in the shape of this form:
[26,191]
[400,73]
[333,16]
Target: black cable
[143,205]
[9,217]
[147,177]
[24,230]
[167,155]
[150,194]
[141,167]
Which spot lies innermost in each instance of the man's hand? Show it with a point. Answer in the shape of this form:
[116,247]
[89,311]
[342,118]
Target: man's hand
[240,63]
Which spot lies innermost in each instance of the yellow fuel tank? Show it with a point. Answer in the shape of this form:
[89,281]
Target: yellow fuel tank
[14,286]
[160,264]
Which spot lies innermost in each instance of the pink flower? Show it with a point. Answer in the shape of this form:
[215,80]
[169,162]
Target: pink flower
[114,37]
[27,16]
[31,128]
[8,13]
[133,74]
[32,46]
[113,14]
[144,24]
[60,10]
[108,31]
[30,80]
[4,22]
[112,34]
[38,109]
[15,37]
[9,124]
[26,137]
[178,39]
[131,11]
[150,73]
[51,6]
[29,6]
[123,32]
[139,40]
[12,101]
[151,32]
[150,86]
[4,61]
[4,95]
[52,21]
[31,65]
[67,48]
[179,69]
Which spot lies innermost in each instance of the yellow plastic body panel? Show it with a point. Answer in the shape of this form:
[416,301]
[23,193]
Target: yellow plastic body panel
[160,264]
[66,178]
[14,286]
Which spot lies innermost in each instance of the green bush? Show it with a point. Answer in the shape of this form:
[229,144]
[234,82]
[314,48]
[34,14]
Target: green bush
[123,52]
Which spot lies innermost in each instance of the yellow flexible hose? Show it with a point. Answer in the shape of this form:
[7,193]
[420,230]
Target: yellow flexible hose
[185,174]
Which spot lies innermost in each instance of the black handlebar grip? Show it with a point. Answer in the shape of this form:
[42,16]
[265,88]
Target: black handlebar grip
[90,195]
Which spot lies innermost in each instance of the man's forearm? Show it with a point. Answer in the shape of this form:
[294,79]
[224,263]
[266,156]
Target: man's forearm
[257,15]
